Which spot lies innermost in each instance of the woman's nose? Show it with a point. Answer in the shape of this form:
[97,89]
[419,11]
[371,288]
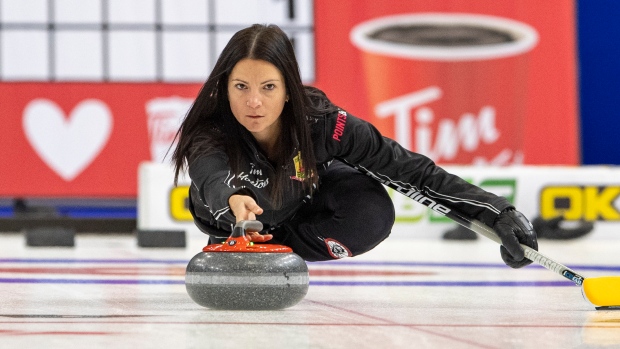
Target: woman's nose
[254,102]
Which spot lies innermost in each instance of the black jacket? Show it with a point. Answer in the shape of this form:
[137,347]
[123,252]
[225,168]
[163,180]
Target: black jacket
[340,136]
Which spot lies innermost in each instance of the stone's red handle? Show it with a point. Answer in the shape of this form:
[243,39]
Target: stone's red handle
[239,242]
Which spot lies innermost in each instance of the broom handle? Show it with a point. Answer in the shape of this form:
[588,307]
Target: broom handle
[476,226]
[530,253]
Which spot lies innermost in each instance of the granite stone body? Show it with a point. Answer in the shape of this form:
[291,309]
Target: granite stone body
[247,281]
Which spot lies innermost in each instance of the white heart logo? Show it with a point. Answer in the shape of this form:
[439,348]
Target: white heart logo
[67,145]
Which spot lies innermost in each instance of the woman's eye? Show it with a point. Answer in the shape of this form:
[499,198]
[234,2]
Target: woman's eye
[240,86]
[270,86]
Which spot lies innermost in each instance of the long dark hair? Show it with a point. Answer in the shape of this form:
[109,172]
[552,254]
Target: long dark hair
[210,124]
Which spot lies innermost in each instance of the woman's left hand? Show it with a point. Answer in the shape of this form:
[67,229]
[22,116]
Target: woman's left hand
[514,229]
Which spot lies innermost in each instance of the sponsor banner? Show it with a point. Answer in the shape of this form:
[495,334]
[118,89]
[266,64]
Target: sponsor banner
[493,102]
[161,205]
[576,193]
[82,139]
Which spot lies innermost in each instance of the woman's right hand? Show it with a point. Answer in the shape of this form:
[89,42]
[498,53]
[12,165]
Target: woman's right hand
[245,208]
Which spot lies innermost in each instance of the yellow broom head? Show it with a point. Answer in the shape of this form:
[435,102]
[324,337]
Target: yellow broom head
[603,291]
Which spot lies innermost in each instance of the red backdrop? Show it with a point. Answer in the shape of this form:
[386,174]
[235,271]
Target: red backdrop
[110,170]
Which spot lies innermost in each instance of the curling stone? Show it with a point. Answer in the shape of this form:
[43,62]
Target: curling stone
[241,275]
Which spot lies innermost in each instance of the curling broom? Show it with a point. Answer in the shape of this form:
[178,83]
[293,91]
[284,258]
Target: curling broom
[603,292]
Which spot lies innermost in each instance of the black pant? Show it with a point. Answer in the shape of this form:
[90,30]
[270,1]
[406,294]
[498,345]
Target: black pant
[350,214]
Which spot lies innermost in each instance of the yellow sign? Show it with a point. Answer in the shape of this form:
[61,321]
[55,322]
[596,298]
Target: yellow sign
[179,204]
[580,202]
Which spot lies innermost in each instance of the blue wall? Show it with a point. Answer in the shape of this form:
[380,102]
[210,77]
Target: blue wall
[599,62]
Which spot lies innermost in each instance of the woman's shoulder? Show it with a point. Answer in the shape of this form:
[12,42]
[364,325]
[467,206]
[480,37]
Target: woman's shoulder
[319,104]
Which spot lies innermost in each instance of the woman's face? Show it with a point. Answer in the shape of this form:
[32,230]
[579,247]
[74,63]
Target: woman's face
[257,93]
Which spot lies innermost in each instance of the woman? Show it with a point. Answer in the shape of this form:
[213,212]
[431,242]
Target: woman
[258,144]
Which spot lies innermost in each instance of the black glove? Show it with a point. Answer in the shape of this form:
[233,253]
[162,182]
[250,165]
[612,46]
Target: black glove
[513,228]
